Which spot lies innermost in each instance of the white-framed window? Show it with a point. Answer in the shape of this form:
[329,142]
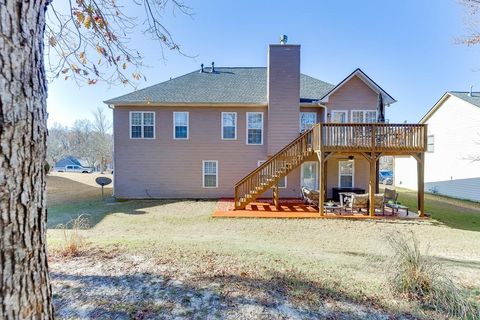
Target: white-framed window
[309,175]
[282,183]
[254,127]
[364,116]
[180,125]
[430,143]
[346,170]
[210,173]
[142,125]
[339,116]
[307,120]
[229,126]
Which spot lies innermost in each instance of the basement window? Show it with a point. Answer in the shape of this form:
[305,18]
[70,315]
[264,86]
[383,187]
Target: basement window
[210,173]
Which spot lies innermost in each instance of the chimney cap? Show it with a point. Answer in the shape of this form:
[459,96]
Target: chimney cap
[283,39]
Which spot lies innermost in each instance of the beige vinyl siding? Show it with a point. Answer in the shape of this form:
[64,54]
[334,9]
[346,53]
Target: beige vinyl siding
[353,95]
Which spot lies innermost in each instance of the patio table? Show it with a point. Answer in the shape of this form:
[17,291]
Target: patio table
[345,195]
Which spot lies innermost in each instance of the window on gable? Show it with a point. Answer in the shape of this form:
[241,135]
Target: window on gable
[180,127]
[229,125]
[254,127]
[142,125]
[364,116]
[430,143]
[210,173]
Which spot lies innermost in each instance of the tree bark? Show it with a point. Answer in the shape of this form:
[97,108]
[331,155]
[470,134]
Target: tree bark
[25,291]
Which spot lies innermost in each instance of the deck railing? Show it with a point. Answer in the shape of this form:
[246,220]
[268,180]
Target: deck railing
[330,137]
[371,137]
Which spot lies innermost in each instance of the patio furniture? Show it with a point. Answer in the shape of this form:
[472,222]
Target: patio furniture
[333,208]
[345,197]
[379,202]
[358,202]
[396,207]
[310,196]
[336,191]
[390,195]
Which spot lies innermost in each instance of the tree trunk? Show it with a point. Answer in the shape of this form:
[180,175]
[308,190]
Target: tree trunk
[25,290]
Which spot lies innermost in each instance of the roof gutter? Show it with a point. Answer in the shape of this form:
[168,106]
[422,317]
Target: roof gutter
[176,104]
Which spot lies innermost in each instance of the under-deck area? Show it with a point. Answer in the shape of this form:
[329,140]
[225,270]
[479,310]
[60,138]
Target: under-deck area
[328,140]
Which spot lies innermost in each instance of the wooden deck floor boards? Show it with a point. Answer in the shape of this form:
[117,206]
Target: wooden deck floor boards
[293,208]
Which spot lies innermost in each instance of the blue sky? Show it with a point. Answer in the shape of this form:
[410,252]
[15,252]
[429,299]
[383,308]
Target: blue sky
[408,47]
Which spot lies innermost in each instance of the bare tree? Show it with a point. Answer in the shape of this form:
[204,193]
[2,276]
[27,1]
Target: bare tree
[103,138]
[57,143]
[87,42]
[472,23]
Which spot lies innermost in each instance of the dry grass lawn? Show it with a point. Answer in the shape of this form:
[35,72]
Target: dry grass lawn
[165,259]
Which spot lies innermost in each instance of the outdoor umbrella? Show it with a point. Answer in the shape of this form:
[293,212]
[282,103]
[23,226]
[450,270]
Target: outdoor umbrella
[380,109]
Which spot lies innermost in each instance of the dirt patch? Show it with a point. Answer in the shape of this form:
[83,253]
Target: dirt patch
[112,284]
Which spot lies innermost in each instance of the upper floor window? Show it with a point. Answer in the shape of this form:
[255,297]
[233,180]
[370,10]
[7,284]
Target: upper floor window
[229,125]
[254,127]
[364,116]
[338,116]
[307,120]
[142,125]
[430,143]
[180,125]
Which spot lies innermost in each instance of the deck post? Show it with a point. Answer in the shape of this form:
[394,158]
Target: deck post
[421,184]
[275,191]
[321,183]
[372,184]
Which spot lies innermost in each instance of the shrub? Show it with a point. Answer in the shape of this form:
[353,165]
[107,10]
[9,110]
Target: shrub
[73,240]
[418,277]
[46,167]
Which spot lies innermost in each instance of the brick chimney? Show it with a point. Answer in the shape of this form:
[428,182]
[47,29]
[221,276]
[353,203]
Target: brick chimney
[283,85]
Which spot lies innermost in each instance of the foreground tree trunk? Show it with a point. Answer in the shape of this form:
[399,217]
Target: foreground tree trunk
[25,290]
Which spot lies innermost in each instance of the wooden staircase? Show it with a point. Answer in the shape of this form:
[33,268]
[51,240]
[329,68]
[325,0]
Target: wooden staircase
[268,174]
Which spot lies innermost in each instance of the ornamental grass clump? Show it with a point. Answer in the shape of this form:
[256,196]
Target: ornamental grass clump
[73,240]
[417,277]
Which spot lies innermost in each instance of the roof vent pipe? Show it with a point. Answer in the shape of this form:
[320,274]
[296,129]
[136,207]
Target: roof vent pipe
[283,39]
[470,93]
[213,67]
[201,68]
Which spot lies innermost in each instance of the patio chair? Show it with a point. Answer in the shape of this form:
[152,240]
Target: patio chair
[390,195]
[358,202]
[310,196]
[379,203]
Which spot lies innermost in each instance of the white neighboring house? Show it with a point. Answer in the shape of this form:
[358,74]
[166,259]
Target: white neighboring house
[453,140]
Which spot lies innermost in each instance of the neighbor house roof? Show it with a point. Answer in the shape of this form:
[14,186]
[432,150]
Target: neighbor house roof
[473,99]
[227,85]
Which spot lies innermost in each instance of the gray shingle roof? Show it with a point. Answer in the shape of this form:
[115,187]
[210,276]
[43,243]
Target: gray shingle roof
[243,85]
[474,99]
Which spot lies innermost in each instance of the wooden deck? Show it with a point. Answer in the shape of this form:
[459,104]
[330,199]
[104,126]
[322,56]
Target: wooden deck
[296,209]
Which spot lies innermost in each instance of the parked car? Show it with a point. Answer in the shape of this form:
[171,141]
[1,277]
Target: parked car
[386,177]
[75,168]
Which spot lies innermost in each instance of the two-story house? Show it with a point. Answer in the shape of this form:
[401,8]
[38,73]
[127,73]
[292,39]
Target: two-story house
[201,134]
